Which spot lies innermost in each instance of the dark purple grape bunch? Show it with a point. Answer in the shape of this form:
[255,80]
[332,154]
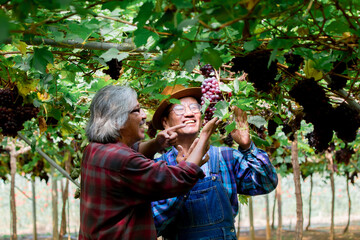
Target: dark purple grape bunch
[114,70]
[13,113]
[210,90]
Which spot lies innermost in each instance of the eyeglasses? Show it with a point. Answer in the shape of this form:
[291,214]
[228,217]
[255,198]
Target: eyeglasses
[180,109]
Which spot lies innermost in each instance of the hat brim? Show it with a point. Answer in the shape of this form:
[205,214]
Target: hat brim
[194,92]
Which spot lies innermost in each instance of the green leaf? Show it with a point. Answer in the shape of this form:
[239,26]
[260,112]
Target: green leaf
[174,101]
[142,35]
[280,43]
[80,31]
[258,121]
[113,53]
[222,109]
[187,22]
[337,26]
[212,57]
[181,4]
[5,28]
[230,127]
[187,52]
[243,199]
[251,45]
[41,58]
[192,63]
[144,14]
[225,88]
[259,141]
[205,105]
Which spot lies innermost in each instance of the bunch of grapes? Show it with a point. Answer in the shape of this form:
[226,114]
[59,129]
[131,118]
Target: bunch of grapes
[338,82]
[344,155]
[272,125]
[114,68]
[210,90]
[353,176]
[294,61]
[346,121]
[317,110]
[256,66]
[228,140]
[13,113]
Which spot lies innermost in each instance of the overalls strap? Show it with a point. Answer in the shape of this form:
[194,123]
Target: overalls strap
[214,162]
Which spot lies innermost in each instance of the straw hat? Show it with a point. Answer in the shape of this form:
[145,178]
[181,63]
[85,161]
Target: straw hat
[176,92]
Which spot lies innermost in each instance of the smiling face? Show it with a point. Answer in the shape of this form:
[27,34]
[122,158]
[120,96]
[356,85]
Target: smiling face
[134,128]
[192,119]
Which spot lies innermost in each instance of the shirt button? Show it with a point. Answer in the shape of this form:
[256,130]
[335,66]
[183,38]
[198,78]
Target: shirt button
[185,196]
[232,230]
[213,178]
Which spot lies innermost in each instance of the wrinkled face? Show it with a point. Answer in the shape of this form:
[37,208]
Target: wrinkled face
[190,115]
[134,128]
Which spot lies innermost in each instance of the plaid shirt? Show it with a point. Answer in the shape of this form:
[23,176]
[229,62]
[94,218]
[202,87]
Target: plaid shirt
[246,172]
[117,187]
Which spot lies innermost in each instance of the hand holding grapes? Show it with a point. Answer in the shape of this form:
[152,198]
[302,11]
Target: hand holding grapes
[241,133]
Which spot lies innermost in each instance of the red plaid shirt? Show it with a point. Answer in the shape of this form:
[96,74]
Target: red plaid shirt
[117,187]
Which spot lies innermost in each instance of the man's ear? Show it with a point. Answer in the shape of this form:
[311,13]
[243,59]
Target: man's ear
[164,122]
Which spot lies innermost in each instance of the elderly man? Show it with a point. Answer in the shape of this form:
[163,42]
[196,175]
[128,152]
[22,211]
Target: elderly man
[208,210]
[117,182]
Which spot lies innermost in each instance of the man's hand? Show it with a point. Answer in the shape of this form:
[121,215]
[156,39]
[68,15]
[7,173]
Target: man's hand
[168,137]
[241,133]
[183,154]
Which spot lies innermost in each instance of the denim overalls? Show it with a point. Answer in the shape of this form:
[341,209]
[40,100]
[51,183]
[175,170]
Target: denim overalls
[207,213]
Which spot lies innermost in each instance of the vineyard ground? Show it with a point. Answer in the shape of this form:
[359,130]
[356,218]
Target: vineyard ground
[318,233]
[320,217]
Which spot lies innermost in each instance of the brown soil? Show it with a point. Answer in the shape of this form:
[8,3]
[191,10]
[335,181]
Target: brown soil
[320,233]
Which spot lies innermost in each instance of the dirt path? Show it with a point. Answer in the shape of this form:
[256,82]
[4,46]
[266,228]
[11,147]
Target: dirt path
[321,233]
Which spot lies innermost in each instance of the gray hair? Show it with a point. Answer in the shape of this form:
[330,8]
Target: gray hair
[109,110]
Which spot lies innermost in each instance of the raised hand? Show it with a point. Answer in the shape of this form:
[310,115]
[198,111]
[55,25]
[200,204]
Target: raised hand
[183,154]
[210,127]
[241,133]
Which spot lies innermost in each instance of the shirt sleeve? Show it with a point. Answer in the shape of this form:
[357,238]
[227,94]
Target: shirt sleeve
[254,172]
[165,211]
[157,180]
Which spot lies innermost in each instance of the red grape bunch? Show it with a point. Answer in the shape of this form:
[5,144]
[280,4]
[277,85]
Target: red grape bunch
[210,90]
[13,113]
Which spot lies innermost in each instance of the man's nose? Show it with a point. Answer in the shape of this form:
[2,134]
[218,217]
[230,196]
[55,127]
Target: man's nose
[143,113]
[188,111]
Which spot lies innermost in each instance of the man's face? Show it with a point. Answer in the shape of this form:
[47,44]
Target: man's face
[189,113]
[134,128]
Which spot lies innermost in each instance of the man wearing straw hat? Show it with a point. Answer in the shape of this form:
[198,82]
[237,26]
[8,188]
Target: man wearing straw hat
[209,209]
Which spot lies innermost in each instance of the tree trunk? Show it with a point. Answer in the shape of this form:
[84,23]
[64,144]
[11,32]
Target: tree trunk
[238,226]
[329,157]
[310,197]
[11,147]
[349,201]
[251,218]
[54,201]
[34,208]
[268,229]
[65,193]
[273,213]
[12,195]
[278,196]
[296,174]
